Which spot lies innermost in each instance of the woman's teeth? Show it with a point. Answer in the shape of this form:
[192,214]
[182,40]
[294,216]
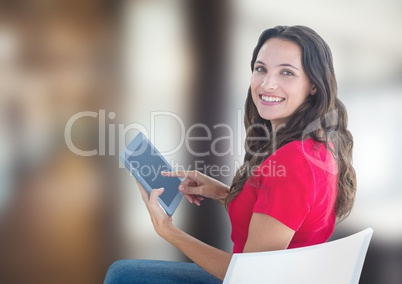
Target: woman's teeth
[272,99]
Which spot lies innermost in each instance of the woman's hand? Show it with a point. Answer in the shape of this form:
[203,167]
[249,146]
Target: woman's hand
[213,260]
[196,185]
[160,219]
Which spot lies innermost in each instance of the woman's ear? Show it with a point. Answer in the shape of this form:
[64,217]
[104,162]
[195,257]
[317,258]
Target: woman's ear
[313,89]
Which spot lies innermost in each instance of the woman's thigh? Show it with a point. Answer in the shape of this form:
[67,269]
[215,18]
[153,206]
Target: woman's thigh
[157,271]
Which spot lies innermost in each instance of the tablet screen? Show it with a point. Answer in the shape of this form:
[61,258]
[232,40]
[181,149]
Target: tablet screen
[149,165]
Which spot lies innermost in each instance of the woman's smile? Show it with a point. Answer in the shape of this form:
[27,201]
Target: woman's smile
[271,100]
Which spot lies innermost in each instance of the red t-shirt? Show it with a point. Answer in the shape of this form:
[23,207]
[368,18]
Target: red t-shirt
[297,185]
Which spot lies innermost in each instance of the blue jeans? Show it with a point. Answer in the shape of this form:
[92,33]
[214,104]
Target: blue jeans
[157,271]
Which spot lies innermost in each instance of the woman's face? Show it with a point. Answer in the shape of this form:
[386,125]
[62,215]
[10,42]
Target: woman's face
[279,85]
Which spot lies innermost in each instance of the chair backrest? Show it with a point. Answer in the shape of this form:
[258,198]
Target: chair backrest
[337,262]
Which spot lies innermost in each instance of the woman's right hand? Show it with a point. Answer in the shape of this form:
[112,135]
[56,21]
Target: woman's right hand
[196,185]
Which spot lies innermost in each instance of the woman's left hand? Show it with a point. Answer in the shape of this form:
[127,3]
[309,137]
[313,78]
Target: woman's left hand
[159,218]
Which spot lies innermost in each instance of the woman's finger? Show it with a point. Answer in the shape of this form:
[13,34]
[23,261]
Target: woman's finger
[194,199]
[188,182]
[190,198]
[198,199]
[195,190]
[155,193]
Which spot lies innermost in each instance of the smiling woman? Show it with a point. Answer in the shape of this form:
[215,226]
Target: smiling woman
[316,111]
[279,85]
[294,120]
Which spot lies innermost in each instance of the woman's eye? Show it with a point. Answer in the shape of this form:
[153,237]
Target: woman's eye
[259,69]
[287,73]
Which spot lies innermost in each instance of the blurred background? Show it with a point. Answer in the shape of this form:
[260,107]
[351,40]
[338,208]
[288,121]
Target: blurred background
[162,66]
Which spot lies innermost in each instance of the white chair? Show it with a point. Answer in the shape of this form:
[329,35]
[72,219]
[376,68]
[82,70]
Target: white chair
[337,262]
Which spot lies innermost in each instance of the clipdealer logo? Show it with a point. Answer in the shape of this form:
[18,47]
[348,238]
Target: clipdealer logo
[233,139]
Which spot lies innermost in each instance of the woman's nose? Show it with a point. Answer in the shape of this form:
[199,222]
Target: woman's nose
[269,83]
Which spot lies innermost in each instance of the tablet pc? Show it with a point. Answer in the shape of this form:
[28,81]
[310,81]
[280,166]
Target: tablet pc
[146,163]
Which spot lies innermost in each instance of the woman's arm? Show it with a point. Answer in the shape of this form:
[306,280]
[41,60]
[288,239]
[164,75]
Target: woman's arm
[211,259]
[266,233]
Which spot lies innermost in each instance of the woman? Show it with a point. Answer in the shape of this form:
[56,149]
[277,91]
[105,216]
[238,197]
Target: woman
[297,177]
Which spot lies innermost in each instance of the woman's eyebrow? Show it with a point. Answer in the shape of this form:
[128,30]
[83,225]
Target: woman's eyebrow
[280,65]
[260,62]
[288,65]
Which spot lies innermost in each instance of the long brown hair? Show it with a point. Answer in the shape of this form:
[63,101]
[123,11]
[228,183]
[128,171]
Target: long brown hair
[323,116]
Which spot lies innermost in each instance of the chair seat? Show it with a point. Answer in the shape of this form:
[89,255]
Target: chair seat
[337,262]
